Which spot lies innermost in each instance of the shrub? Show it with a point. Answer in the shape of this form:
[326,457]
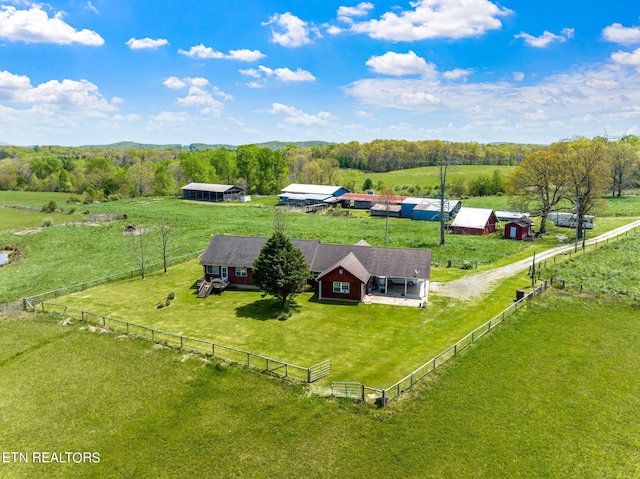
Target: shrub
[73,199]
[466,265]
[47,222]
[49,207]
[71,210]
[171,296]
[167,302]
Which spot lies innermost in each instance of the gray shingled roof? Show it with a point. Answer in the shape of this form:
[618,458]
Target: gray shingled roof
[378,261]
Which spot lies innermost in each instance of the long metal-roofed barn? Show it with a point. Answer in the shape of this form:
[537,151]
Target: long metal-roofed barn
[299,194]
[429,208]
[211,192]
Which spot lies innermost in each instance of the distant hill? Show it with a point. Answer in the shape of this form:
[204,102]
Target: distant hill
[272,145]
[132,145]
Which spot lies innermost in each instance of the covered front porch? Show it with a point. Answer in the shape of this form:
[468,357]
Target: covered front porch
[398,291]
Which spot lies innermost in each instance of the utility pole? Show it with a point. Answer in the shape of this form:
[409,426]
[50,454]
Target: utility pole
[533,271]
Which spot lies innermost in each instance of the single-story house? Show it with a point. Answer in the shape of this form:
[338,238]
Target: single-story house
[340,272]
[297,194]
[380,209]
[519,228]
[474,221]
[211,192]
[362,201]
[429,208]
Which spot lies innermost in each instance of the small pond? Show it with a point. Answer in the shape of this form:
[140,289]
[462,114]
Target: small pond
[4,257]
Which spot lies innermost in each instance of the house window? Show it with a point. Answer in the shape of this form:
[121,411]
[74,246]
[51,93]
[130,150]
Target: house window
[341,287]
[212,269]
[241,272]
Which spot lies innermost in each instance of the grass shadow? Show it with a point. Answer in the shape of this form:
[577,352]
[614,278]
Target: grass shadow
[267,309]
[333,302]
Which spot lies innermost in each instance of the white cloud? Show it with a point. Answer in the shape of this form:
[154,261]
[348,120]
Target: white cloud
[619,34]
[9,81]
[364,114]
[546,38]
[289,31]
[198,94]
[245,55]
[89,6]
[174,83]
[333,30]
[518,76]
[293,116]
[282,74]
[208,53]
[35,26]
[457,73]
[199,97]
[436,19]
[146,43]
[251,72]
[400,64]
[602,84]
[626,58]
[346,14]
[579,102]
[287,75]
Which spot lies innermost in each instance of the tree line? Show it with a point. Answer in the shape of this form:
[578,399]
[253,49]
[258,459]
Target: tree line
[101,173]
[574,175]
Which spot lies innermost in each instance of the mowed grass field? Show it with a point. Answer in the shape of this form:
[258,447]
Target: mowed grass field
[552,393]
[369,343]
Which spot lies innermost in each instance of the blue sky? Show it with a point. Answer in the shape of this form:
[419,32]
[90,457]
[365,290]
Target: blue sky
[231,71]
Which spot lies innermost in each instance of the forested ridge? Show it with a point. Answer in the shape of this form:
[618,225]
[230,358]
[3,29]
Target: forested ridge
[130,169]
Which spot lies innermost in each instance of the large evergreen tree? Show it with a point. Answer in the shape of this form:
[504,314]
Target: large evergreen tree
[280,269]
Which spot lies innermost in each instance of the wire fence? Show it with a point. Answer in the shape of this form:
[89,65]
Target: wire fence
[194,345]
[130,274]
[381,397]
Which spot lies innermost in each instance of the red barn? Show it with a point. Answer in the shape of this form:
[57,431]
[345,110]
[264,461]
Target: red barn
[474,221]
[518,229]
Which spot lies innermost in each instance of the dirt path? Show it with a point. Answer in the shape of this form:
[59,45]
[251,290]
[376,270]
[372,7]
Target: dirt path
[471,287]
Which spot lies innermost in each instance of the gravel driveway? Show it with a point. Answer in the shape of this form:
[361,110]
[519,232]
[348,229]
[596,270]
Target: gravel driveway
[477,285]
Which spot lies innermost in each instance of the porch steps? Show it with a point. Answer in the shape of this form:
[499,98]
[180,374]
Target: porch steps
[205,289]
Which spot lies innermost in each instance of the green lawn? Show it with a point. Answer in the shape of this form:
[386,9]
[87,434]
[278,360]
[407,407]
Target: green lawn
[370,343]
[553,393]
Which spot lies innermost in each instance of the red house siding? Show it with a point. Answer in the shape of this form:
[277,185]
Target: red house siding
[355,286]
[231,276]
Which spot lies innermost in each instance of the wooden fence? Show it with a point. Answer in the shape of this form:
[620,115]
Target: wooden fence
[200,346]
[130,274]
[382,396]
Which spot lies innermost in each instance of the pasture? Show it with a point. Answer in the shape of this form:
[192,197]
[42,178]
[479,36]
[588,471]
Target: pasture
[553,393]
[428,177]
[13,219]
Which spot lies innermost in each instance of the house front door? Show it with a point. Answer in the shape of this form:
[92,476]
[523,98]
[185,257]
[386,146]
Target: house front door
[513,232]
[224,272]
